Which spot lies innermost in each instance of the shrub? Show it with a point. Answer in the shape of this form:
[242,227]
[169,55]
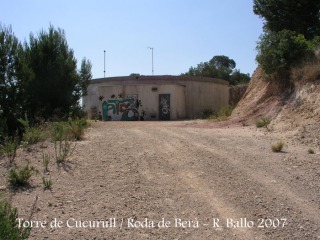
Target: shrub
[63,149]
[263,122]
[32,135]
[9,227]
[47,183]
[307,72]
[19,177]
[59,131]
[72,130]
[311,151]
[279,51]
[45,161]
[3,127]
[277,147]
[225,112]
[10,148]
[76,129]
[207,113]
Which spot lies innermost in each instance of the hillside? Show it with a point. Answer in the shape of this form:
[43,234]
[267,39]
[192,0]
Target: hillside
[295,113]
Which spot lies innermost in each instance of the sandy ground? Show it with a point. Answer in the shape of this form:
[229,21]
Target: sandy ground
[174,180]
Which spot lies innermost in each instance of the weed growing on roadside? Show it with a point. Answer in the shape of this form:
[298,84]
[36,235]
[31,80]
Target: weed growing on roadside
[263,122]
[45,161]
[63,149]
[19,177]
[222,115]
[59,131]
[31,135]
[311,151]
[9,227]
[76,129]
[207,113]
[10,148]
[277,147]
[47,183]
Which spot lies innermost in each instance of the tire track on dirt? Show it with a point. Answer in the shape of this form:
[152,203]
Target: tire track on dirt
[256,174]
[303,211]
[186,176]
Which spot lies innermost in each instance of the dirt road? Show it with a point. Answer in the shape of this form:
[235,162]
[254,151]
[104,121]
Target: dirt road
[176,180]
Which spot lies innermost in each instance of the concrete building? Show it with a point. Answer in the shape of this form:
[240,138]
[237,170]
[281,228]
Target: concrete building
[154,97]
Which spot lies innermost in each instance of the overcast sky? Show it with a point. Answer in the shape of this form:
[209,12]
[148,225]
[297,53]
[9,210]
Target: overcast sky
[183,33]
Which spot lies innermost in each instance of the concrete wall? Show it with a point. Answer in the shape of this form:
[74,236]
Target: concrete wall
[205,95]
[189,96]
[148,96]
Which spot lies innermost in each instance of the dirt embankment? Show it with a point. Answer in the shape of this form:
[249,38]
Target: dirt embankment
[295,113]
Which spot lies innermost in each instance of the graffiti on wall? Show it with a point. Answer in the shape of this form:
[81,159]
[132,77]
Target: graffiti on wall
[121,109]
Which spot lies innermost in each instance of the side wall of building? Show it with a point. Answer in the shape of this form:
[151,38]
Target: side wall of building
[205,95]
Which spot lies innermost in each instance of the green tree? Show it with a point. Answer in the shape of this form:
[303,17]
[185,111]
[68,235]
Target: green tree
[221,67]
[10,83]
[239,78]
[300,16]
[55,86]
[279,51]
[85,77]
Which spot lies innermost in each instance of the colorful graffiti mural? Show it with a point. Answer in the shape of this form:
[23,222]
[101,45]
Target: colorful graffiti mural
[121,109]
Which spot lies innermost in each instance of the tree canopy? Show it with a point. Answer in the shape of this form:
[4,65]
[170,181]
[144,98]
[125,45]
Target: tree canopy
[279,51]
[300,16]
[291,34]
[40,77]
[221,67]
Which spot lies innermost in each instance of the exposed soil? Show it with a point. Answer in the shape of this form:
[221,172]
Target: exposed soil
[189,170]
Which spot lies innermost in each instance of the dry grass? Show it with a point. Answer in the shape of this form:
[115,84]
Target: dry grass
[263,122]
[308,72]
[277,146]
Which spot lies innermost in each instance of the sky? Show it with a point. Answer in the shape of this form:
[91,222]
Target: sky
[182,33]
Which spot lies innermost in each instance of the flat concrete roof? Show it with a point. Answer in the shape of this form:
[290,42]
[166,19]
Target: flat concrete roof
[158,79]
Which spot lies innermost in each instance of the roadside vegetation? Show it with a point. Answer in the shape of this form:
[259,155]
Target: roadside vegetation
[277,146]
[220,115]
[40,89]
[263,122]
[9,227]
